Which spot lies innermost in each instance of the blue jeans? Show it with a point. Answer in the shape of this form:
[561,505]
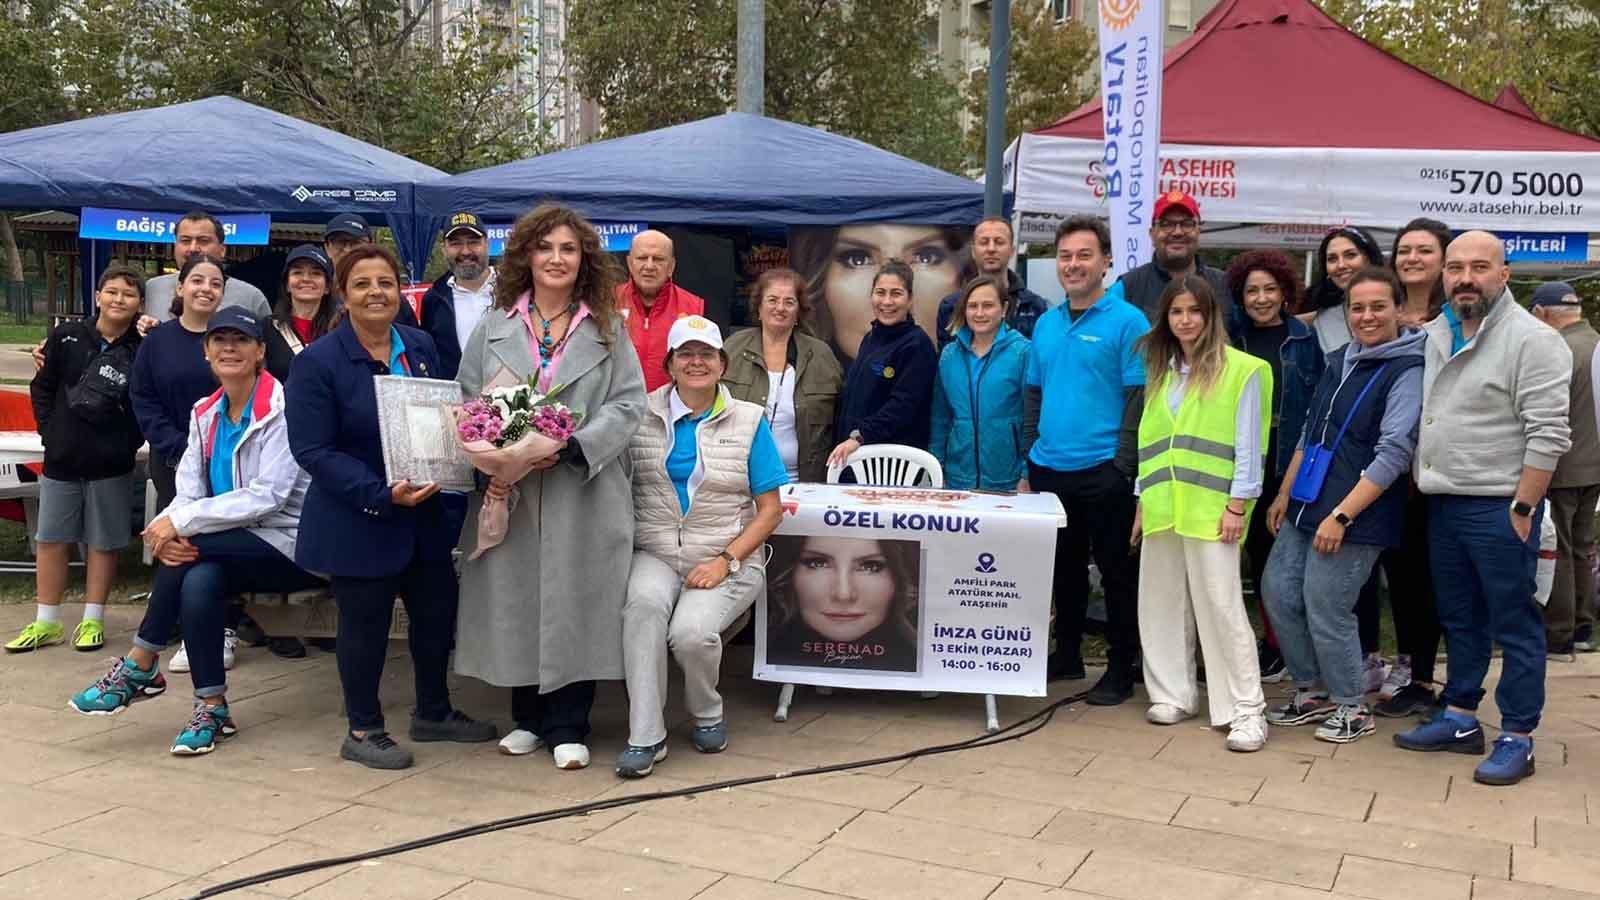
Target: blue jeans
[1485,579]
[196,594]
[1311,598]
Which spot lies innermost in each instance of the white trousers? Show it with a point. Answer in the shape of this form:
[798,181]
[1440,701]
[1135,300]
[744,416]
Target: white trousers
[1188,586]
[661,614]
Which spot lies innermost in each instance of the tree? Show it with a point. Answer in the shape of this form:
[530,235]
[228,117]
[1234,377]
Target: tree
[33,94]
[853,67]
[1549,48]
[1046,80]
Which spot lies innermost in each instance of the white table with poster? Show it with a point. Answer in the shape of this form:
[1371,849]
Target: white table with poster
[910,589]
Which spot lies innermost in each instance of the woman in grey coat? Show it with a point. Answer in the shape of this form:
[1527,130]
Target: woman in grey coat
[542,612]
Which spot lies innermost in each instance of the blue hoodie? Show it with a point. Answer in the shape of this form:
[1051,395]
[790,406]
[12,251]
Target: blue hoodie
[977,412]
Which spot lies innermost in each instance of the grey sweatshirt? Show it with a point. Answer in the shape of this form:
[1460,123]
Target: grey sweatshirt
[1495,407]
[1397,430]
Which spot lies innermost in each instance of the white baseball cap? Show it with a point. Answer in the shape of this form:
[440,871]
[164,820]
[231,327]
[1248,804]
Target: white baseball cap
[694,328]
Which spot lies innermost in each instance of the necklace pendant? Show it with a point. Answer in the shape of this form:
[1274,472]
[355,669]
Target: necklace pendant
[548,341]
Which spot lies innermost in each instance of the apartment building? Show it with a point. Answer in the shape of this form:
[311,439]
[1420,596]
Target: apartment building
[961,22]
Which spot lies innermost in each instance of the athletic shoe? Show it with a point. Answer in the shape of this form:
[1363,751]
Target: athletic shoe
[1247,734]
[89,636]
[230,643]
[1566,652]
[1583,639]
[637,762]
[375,751]
[208,725]
[1408,701]
[520,742]
[180,660]
[1510,762]
[1347,725]
[457,727]
[1303,707]
[710,738]
[1061,667]
[1273,669]
[286,648]
[123,685]
[1114,688]
[1372,673]
[1166,714]
[35,635]
[1448,731]
[571,756]
[1398,679]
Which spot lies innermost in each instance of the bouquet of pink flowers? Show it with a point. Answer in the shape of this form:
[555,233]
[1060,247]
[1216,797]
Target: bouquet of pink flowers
[505,433]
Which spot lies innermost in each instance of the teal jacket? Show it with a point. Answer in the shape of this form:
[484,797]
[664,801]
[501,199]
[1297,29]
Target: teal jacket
[977,412]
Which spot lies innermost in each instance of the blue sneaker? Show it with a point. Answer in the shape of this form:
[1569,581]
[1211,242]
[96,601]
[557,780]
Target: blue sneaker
[1510,762]
[636,762]
[122,685]
[710,738]
[208,725]
[1446,731]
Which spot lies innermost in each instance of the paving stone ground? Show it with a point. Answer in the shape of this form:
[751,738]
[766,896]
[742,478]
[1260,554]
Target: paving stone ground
[1096,804]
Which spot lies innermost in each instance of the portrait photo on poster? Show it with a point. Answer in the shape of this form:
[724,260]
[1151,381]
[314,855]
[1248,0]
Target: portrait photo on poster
[844,603]
[838,264]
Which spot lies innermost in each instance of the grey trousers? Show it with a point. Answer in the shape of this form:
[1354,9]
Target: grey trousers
[661,614]
[1572,593]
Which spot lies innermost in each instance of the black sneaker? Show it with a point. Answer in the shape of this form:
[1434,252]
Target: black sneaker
[286,648]
[1114,688]
[250,633]
[1064,668]
[1583,639]
[457,727]
[375,751]
[1273,669]
[1408,701]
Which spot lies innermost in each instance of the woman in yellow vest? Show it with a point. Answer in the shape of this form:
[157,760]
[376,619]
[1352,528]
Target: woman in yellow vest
[1201,443]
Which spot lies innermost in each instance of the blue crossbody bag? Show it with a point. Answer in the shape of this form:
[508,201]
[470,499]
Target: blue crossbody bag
[1316,458]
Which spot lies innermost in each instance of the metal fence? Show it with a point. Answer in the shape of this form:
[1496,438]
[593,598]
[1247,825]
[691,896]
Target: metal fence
[19,302]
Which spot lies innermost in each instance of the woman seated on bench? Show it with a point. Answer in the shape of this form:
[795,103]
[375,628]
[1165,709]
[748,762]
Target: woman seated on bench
[231,529]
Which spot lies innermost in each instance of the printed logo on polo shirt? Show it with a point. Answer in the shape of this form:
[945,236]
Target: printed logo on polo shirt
[1088,338]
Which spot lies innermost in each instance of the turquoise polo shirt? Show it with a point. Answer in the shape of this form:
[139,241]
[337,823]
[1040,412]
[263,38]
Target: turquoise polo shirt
[227,440]
[766,469]
[1083,369]
[398,364]
[1458,339]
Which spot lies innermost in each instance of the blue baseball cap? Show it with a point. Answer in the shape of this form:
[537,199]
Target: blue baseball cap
[350,224]
[313,254]
[234,318]
[1555,293]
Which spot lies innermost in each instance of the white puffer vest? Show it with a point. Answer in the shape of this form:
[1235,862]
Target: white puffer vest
[720,505]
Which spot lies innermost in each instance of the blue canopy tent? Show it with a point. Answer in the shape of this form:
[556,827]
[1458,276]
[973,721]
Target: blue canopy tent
[732,169]
[218,154]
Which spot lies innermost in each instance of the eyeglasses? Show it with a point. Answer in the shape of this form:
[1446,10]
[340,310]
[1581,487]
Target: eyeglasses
[784,302]
[1171,225]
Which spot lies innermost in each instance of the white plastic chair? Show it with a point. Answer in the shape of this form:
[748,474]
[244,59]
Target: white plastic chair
[888,465]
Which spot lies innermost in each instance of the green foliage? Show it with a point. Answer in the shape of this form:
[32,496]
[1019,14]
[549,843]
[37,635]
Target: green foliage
[33,93]
[1046,79]
[853,67]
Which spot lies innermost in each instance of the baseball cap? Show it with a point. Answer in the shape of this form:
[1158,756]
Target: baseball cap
[1555,293]
[310,253]
[234,318]
[1176,198]
[694,328]
[348,223]
[465,221]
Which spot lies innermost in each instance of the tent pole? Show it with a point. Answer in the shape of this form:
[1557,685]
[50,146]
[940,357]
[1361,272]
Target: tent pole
[752,60]
[995,146]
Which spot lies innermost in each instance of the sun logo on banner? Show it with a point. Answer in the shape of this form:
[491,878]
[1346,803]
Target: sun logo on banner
[1118,14]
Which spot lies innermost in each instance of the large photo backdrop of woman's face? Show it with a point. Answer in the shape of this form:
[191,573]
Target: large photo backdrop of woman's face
[838,264]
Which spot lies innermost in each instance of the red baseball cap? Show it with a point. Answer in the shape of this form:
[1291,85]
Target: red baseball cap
[1178,199]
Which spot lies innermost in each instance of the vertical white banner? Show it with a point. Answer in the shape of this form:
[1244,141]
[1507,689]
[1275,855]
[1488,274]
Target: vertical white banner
[1130,94]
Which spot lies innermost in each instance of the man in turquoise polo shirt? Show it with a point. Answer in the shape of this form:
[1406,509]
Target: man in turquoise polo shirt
[1085,386]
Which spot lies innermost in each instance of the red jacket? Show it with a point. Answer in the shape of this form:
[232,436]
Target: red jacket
[648,328]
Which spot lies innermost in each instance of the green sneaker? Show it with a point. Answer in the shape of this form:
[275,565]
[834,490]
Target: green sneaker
[89,637]
[37,634]
[208,725]
[122,685]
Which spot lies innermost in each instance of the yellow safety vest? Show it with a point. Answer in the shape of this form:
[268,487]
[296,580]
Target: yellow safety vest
[1186,463]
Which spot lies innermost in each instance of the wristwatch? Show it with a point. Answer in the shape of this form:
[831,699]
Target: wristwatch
[733,563]
[1518,508]
[1340,517]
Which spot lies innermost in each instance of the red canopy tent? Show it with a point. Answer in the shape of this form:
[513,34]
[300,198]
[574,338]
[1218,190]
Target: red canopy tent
[1275,113]
[1510,99]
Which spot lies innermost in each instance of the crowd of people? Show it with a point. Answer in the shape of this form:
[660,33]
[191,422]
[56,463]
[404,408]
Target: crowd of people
[1400,422]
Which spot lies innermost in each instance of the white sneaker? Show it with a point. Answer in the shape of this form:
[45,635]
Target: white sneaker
[520,743]
[572,756]
[1373,673]
[1398,678]
[1166,714]
[180,659]
[1247,734]
[230,643]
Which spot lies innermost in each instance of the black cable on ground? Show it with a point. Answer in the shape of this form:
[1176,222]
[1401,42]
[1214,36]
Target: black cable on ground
[1016,730]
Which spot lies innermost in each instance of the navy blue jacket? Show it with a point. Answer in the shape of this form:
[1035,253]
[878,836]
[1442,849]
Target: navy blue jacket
[1383,522]
[439,321]
[349,527]
[170,375]
[1301,362]
[888,391]
[1023,308]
